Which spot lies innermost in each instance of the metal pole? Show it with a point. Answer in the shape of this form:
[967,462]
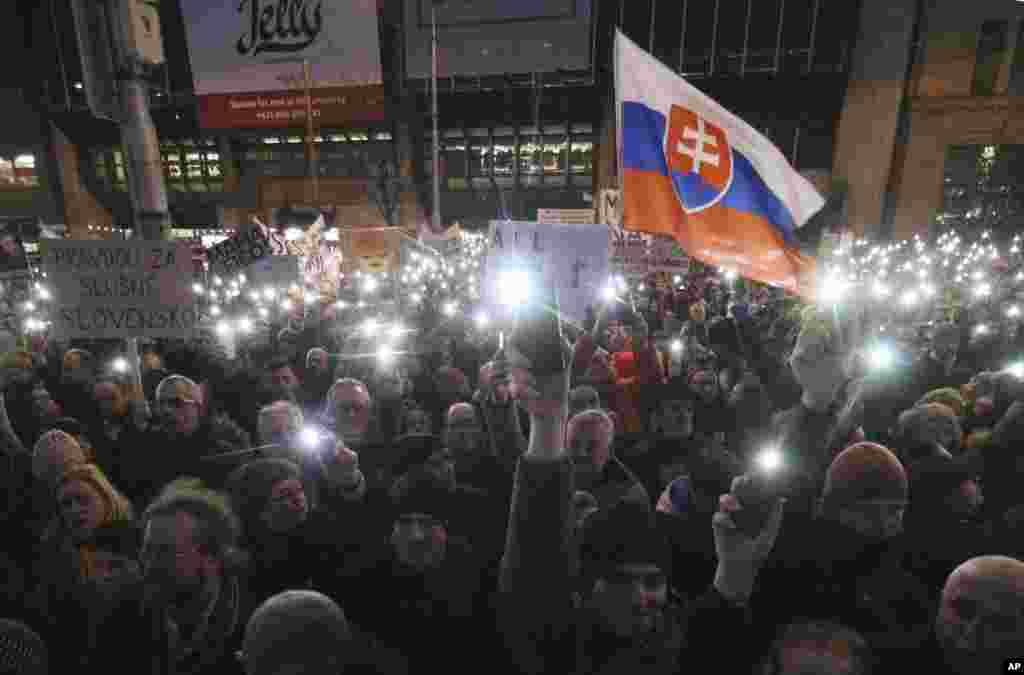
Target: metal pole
[814,36]
[682,36]
[436,211]
[142,157]
[312,167]
[714,39]
[654,12]
[746,38]
[778,37]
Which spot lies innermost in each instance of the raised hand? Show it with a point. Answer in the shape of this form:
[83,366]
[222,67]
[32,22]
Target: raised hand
[741,554]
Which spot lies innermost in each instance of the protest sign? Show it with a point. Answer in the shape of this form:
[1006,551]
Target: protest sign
[565,216]
[573,257]
[233,255]
[637,255]
[120,289]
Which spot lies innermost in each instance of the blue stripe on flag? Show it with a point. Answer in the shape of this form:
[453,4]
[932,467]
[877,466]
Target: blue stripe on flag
[750,193]
[643,138]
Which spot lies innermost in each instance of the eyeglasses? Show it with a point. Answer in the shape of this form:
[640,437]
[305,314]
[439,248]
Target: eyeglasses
[176,403]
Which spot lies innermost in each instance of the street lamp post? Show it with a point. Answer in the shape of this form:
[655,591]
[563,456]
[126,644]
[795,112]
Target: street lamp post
[436,211]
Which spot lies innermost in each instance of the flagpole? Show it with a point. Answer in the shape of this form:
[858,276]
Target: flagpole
[436,211]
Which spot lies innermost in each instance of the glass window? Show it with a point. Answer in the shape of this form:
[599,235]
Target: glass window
[1016,87]
[193,167]
[992,46]
[700,17]
[358,137]
[556,153]
[453,162]
[504,156]
[531,161]
[382,136]
[796,35]
[668,22]
[732,18]
[337,138]
[764,35]
[428,157]
[833,36]
[480,157]
[581,156]
[271,140]
[172,165]
[981,186]
[100,162]
[295,139]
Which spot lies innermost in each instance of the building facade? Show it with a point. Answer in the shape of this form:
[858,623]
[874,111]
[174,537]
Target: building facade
[932,131]
[526,130]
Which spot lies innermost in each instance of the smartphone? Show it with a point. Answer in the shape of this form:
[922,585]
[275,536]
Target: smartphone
[537,333]
[763,486]
[757,496]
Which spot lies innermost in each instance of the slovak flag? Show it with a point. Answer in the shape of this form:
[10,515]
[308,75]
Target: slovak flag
[693,170]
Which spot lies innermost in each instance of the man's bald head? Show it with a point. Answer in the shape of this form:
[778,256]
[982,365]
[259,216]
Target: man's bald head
[461,414]
[981,616]
[297,632]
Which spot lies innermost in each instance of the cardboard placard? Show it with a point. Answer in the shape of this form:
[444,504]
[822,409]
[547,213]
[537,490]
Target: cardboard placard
[236,253]
[120,289]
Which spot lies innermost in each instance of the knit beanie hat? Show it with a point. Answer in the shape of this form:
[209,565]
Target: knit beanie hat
[22,651]
[118,506]
[864,471]
[947,396]
[412,450]
[421,494]
[978,440]
[55,453]
[625,534]
[250,485]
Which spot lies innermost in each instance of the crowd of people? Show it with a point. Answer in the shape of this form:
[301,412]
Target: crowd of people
[708,487]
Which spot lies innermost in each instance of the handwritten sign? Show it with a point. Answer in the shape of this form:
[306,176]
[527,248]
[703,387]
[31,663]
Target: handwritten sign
[120,289]
[637,254]
[565,216]
[236,253]
[574,257]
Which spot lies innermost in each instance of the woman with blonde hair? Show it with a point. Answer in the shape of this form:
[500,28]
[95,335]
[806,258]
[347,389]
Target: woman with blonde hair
[68,565]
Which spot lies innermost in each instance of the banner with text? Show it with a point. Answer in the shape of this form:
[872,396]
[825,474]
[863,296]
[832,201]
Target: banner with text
[239,250]
[575,257]
[637,254]
[120,289]
[247,60]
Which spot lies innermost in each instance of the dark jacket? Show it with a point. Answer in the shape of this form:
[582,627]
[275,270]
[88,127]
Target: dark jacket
[150,459]
[543,629]
[823,570]
[131,634]
[419,613]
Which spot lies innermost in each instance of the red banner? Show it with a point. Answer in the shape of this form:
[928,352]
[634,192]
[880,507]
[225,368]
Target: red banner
[332,106]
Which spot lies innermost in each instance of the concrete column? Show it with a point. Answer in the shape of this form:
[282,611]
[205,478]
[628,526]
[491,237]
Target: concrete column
[866,135]
[919,193]
[81,208]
